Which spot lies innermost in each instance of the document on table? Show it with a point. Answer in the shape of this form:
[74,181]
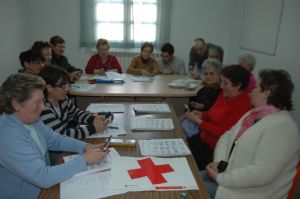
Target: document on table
[151,108]
[135,78]
[99,107]
[82,87]
[151,124]
[150,173]
[163,147]
[111,75]
[104,164]
[90,186]
[113,129]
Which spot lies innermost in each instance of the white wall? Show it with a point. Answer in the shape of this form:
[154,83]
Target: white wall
[13,35]
[214,20]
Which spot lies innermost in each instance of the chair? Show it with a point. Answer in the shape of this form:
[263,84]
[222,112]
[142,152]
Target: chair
[295,182]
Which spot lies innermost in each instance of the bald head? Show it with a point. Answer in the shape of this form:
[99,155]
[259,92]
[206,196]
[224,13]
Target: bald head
[200,46]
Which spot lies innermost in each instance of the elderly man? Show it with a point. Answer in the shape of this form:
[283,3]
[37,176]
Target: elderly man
[169,63]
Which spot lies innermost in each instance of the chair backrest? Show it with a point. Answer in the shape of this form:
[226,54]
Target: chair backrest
[295,182]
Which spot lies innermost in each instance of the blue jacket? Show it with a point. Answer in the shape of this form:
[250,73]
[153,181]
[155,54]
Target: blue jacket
[23,169]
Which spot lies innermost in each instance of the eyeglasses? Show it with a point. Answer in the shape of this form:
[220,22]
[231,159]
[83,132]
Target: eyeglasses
[63,86]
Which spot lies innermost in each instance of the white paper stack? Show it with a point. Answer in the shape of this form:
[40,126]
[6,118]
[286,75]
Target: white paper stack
[163,147]
[99,107]
[145,124]
[151,108]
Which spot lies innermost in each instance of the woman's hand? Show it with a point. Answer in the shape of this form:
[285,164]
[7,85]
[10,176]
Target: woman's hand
[195,75]
[100,123]
[94,153]
[146,73]
[212,170]
[197,105]
[193,116]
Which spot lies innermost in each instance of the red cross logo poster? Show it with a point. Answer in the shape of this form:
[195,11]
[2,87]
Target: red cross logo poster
[150,173]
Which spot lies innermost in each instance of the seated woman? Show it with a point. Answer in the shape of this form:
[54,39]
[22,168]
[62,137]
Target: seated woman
[102,61]
[144,64]
[61,114]
[25,141]
[32,62]
[248,61]
[263,160]
[207,95]
[45,49]
[231,104]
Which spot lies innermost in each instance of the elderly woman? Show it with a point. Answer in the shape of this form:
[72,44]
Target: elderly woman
[60,113]
[261,151]
[25,141]
[207,95]
[248,61]
[231,104]
[102,61]
[144,64]
[32,62]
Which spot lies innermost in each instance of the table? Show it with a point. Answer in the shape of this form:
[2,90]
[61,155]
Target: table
[156,90]
[54,193]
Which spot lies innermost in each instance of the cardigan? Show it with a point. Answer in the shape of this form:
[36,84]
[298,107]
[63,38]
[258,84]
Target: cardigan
[263,162]
[95,62]
[23,169]
[137,65]
[222,116]
[69,120]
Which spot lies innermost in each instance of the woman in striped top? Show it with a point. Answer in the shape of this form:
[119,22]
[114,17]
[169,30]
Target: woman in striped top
[61,113]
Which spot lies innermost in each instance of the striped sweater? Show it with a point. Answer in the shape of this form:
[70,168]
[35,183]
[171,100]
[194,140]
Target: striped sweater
[69,120]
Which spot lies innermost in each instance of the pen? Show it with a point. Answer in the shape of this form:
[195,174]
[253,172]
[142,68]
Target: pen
[169,187]
[187,108]
[113,127]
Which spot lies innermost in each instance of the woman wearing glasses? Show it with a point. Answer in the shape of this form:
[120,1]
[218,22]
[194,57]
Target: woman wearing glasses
[61,114]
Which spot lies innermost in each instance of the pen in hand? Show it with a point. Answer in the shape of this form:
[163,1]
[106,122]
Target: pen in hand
[106,144]
[187,108]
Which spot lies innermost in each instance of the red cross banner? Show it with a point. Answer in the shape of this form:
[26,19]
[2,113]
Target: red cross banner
[151,173]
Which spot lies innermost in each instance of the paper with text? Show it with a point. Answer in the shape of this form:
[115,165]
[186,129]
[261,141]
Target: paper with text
[151,108]
[104,164]
[113,129]
[100,107]
[163,147]
[151,124]
[90,186]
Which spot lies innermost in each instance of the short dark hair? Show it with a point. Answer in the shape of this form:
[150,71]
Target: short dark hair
[18,87]
[54,75]
[280,84]
[29,56]
[237,75]
[168,48]
[56,40]
[147,44]
[39,45]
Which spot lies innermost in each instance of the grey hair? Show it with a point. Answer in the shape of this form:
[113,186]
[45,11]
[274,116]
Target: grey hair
[18,87]
[211,62]
[249,59]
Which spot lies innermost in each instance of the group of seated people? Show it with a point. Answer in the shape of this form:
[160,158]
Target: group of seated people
[240,131]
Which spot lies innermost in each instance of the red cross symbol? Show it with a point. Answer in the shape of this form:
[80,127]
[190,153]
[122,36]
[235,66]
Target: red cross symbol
[152,171]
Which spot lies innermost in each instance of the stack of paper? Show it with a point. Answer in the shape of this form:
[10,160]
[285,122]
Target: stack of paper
[97,107]
[104,164]
[163,147]
[151,108]
[111,75]
[184,83]
[159,174]
[152,124]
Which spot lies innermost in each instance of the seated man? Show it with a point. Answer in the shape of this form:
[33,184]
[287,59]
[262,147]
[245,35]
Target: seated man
[58,48]
[169,63]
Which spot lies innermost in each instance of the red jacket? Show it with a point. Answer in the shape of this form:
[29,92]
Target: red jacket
[95,62]
[222,116]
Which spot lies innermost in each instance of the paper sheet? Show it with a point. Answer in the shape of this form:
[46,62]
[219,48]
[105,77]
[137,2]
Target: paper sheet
[113,129]
[99,107]
[163,147]
[91,186]
[151,124]
[104,164]
[140,79]
[82,87]
[151,108]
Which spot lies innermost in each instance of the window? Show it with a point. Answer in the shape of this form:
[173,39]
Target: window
[125,23]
